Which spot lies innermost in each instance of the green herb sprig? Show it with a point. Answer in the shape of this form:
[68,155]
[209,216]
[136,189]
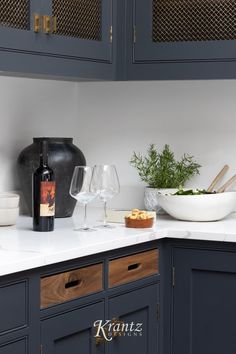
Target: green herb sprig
[161,170]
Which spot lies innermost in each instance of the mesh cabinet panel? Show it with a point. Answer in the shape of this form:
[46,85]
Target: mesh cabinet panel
[193,20]
[78,18]
[15,13]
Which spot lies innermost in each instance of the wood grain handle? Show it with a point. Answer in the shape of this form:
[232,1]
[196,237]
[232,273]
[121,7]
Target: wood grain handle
[218,178]
[134,266]
[66,286]
[227,184]
[72,283]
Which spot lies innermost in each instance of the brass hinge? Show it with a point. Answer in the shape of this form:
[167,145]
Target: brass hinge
[134,34]
[41,349]
[111,34]
[158,312]
[173,276]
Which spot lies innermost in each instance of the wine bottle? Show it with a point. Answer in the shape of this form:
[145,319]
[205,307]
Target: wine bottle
[43,193]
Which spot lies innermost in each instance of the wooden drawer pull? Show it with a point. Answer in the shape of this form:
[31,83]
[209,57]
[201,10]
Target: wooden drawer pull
[58,288]
[134,266]
[73,283]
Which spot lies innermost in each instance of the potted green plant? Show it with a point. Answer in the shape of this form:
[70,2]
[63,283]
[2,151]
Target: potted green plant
[162,173]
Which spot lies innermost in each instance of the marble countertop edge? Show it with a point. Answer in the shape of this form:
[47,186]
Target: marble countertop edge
[22,249]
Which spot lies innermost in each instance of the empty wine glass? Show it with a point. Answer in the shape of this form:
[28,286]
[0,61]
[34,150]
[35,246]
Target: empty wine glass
[80,189]
[105,183]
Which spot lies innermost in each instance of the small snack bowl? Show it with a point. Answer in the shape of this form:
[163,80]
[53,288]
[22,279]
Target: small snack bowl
[139,219]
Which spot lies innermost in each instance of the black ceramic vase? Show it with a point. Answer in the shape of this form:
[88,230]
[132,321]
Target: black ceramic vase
[63,156]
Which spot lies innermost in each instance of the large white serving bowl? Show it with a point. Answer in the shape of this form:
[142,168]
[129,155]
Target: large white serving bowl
[9,200]
[205,207]
[8,217]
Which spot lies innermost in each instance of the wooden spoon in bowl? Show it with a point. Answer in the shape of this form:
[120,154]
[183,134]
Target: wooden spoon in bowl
[226,184]
[218,178]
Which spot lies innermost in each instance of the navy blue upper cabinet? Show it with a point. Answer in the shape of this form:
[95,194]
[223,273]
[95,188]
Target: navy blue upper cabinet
[181,39]
[119,39]
[58,38]
[78,29]
[184,30]
[16,24]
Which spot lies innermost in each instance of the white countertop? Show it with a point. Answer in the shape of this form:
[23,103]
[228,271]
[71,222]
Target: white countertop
[22,249]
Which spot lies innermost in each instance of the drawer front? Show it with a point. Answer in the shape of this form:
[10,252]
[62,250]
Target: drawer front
[131,268]
[13,306]
[56,289]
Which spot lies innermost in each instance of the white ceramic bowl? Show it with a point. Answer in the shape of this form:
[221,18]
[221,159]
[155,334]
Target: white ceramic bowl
[205,207]
[8,217]
[9,200]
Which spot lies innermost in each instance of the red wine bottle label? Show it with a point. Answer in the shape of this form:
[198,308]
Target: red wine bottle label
[47,198]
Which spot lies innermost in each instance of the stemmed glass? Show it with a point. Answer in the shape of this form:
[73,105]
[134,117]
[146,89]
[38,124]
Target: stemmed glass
[105,183]
[80,189]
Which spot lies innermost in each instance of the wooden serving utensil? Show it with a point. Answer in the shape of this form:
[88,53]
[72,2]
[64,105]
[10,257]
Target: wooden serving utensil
[218,178]
[227,184]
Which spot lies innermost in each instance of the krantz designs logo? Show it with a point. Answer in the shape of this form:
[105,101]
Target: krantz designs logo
[110,329]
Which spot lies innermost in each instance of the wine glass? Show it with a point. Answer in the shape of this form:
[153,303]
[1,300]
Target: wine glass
[105,183]
[80,189]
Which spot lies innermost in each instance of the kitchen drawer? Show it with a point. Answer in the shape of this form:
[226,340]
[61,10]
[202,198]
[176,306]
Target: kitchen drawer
[13,306]
[58,288]
[137,266]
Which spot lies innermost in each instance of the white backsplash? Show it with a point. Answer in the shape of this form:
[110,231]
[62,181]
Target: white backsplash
[110,120]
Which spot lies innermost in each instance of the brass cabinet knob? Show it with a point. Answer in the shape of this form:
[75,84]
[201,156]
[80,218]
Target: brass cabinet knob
[99,341]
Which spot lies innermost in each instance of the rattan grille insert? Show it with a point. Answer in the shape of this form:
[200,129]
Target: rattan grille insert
[78,18]
[193,20]
[15,13]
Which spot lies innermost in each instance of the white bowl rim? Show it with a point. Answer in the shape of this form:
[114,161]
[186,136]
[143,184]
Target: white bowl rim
[197,195]
[9,195]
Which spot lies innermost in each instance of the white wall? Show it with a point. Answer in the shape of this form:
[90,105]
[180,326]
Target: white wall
[198,117]
[31,108]
[110,120]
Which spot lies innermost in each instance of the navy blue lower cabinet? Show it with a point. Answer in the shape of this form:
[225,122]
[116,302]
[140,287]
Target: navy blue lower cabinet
[73,332]
[135,316]
[18,346]
[15,309]
[73,314]
[204,302]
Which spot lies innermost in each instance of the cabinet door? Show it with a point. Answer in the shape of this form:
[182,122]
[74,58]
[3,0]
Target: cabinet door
[184,30]
[72,332]
[19,346]
[138,307]
[17,24]
[204,304]
[82,29]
